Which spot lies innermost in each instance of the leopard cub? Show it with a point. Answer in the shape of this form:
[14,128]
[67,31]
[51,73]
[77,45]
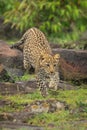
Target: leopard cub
[38,54]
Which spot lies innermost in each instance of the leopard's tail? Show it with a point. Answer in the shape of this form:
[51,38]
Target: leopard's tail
[19,45]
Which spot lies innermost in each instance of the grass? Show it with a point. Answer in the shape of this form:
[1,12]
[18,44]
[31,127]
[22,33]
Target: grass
[71,97]
[45,119]
[68,40]
[63,119]
[25,77]
[11,41]
[24,98]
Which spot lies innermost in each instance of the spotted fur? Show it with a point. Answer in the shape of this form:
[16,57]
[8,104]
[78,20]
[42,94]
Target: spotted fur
[37,53]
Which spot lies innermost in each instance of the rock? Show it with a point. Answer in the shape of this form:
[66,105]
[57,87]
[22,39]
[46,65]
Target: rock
[14,88]
[29,87]
[73,64]
[4,77]
[7,32]
[11,60]
[31,109]
[6,116]
[18,125]
[50,105]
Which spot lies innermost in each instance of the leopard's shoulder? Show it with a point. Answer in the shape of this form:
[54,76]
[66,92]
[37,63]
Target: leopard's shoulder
[35,44]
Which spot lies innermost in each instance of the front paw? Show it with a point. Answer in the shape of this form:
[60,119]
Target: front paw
[53,85]
[56,88]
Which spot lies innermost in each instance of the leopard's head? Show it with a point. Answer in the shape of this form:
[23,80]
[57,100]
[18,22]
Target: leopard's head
[49,63]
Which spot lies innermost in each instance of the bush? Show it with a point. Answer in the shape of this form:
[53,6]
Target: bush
[53,17]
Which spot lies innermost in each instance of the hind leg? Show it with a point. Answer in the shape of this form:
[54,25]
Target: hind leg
[26,62]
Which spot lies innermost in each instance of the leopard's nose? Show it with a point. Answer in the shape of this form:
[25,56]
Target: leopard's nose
[51,72]
[51,69]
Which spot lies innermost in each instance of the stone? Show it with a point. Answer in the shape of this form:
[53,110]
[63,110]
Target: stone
[73,64]
[29,87]
[4,77]
[11,61]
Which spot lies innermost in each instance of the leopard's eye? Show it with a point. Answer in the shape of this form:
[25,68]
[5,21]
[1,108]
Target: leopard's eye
[47,64]
[55,65]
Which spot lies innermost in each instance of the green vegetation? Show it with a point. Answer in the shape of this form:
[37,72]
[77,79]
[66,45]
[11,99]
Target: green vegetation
[76,100]
[49,15]
[25,77]
[63,21]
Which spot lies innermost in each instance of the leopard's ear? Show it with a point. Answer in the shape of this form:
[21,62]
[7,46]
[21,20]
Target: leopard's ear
[57,57]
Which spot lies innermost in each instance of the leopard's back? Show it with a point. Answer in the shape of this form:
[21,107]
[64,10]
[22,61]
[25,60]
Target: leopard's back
[35,44]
